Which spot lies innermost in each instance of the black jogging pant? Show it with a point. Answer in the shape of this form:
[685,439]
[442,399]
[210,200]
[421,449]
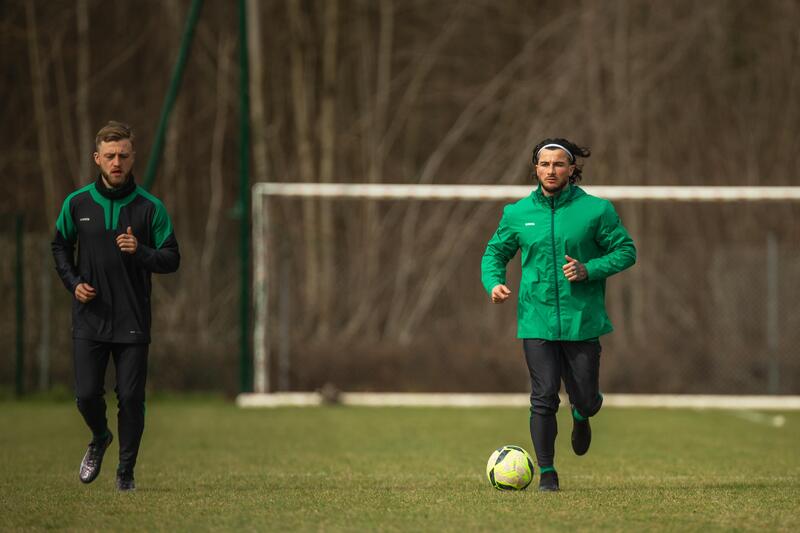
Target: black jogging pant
[130,362]
[577,363]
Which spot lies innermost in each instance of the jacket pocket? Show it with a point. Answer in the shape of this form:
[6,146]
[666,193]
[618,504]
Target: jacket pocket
[529,284]
[531,277]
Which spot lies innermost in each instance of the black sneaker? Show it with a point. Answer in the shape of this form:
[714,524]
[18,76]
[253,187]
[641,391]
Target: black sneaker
[93,459]
[125,482]
[581,436]
[548,482]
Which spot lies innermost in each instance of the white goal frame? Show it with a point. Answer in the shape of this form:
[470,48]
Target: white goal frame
[260,228]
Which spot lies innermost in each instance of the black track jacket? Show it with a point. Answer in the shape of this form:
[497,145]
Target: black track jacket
[93,216]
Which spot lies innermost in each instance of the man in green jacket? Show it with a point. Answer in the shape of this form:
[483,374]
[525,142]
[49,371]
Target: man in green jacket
[570,242]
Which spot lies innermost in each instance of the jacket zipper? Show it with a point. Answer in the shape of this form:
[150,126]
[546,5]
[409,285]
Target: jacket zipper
[555,265]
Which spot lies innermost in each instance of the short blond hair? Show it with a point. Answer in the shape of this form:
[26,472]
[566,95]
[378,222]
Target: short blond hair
[113,131]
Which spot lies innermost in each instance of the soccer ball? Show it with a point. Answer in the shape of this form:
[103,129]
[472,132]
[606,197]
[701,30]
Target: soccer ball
[510,468]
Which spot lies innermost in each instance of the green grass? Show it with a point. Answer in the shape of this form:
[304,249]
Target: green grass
[206,465]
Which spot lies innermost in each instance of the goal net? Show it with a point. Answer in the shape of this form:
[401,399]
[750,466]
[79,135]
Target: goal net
[374,287]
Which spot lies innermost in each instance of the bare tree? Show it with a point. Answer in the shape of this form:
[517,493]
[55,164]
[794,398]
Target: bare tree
[82,104]
[38,86]
[675,92]
[216,194]
[258,116]
[327,161]
[301,80]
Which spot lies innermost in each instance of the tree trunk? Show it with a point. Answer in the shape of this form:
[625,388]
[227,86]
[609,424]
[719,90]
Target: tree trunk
[364,318]
[85,142]
[327,136]
[68,144]
[38,85]
[257,101]
[216,176]
[305,153]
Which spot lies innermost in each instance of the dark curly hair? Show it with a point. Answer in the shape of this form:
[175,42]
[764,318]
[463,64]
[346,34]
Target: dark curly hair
[575,151]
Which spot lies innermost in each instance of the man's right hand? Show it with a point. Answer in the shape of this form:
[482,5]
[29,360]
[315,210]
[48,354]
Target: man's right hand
[500,294]
[85,293]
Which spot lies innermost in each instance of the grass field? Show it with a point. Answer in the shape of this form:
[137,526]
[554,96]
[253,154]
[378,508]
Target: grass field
[207,465]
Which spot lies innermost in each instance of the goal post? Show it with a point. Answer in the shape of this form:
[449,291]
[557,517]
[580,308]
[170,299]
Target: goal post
[512,192]
[265,192]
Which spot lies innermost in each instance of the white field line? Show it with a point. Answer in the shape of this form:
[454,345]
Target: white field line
[776,421]
[402,399]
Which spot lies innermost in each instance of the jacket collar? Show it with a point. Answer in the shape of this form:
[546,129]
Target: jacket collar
[569,192]
[115,194]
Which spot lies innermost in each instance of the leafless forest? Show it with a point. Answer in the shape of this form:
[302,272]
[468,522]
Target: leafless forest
[386,295]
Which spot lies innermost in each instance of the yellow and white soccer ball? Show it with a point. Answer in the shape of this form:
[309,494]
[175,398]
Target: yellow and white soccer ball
[510,468]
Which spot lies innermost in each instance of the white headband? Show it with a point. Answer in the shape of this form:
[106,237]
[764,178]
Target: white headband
[571,157]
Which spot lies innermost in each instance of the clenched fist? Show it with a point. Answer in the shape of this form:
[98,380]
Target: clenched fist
[127,242]
[574,270]
[500,294]
[84,293]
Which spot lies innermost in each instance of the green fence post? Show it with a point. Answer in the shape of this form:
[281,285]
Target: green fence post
[172,94]
[245,365]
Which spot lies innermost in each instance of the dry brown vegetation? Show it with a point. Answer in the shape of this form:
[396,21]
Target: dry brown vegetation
[386,295]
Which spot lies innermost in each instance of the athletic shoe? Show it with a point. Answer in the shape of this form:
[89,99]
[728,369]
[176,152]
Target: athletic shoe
[581,436]
[93,459]
[548,482]
[125,482]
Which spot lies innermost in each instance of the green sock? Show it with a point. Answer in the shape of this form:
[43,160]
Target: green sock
[546,469]
[577,416]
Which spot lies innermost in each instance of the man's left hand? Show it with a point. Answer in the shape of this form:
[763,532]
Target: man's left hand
[127,242]
[574,270]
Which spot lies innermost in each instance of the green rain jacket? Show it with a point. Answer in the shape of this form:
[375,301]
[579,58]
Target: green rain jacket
[574,223]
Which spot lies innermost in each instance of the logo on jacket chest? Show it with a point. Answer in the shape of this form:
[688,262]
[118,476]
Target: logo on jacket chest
[84,219]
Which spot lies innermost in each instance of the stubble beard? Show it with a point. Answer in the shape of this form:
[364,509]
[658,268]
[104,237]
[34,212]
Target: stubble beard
[110,184]
[553,189]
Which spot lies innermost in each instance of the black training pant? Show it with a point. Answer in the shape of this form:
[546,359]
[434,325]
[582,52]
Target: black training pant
[130,362]
[577,363]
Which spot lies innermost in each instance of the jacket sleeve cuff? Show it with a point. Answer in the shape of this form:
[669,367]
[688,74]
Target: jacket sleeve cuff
[492,284]
[591,272]
[142,253]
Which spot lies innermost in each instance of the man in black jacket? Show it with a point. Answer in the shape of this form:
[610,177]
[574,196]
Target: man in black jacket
[124,235]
